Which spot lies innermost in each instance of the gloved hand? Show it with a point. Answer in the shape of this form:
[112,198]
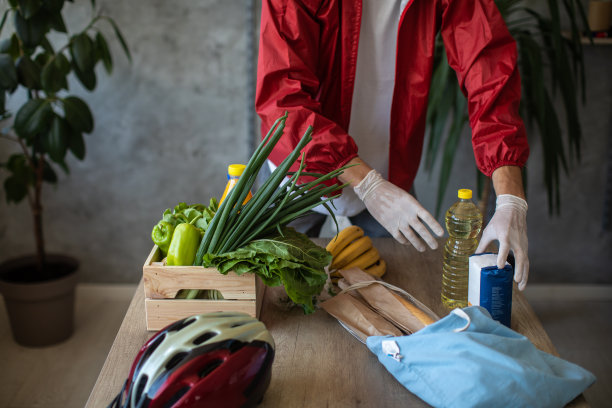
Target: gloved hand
[509,227]
[398,212]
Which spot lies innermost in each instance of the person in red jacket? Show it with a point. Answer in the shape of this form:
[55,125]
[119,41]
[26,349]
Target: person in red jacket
[359,72]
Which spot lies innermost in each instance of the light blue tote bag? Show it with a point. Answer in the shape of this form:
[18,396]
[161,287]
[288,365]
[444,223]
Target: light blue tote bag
[468,359]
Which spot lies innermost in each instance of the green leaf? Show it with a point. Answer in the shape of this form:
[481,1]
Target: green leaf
[22,176]
[64,167]
[76,144]
[506,7]
[28,72]
[8,73]
[15,190]
[54,5]
[2,103]
[442,94]
[78,115]
[47,47]
[54,74]
[120,37]
[42,58]
[56,140]
[56,22]
[293,246]
[541,110]
[201,223]
[49,175]
[450,147]
[578,42]
[19,166]
[104,53]
[31,31]
[87,78]
[290,259]
[3,20]
[82,51]
[33,117]
[29,7]
[438,122]
[10,46]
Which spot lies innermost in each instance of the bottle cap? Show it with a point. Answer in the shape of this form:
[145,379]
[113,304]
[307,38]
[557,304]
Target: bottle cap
[235,169]
[464,193]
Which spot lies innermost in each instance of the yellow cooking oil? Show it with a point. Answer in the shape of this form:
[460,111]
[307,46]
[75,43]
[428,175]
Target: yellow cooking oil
[234,171]
[463,222]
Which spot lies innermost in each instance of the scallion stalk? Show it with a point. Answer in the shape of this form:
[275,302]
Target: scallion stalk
[275,203]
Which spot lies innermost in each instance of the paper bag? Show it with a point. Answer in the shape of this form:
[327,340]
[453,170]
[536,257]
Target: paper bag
[358,318]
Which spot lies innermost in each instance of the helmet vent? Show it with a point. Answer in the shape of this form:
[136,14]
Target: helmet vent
[181,324]
[210,367]
[238,324]
[175,360]
[204,337]
[142,382]
[151,349]
[234,346]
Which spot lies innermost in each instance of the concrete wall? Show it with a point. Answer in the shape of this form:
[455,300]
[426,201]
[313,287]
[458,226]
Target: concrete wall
[169,123]
[166,127]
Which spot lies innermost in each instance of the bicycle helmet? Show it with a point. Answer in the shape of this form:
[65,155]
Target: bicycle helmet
[210,360]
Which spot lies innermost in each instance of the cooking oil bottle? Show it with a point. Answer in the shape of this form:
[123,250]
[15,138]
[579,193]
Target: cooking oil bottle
[463,223]
[234,171]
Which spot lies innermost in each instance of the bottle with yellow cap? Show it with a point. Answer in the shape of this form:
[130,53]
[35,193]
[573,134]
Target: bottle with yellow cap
[463,223]
[234,171]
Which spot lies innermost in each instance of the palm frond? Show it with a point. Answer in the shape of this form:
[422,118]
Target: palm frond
[458,122]
[550,61]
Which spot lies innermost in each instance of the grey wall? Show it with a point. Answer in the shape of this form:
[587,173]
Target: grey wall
[166,127]
[168,124]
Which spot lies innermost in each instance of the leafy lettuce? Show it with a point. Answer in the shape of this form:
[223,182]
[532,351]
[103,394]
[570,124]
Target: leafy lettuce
[289,258]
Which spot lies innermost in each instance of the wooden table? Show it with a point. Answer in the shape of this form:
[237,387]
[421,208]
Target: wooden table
[317,362]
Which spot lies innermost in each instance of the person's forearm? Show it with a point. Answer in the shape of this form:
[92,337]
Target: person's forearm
[353,175]
[508,180]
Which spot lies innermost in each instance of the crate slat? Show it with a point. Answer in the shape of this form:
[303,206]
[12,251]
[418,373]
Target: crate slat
[242,293]
[163,282]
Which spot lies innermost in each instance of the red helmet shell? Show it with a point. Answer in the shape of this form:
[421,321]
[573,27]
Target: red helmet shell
[211,360]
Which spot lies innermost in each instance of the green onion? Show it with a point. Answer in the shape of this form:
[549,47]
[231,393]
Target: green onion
[274,205]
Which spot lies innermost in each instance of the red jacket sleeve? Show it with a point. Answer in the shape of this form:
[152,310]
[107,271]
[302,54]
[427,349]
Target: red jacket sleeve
[290,38]
[482,52]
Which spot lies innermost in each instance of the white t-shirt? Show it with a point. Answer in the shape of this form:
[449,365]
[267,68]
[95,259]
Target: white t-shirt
[373,92]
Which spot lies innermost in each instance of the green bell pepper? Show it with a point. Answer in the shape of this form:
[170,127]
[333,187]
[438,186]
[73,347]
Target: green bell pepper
[184,245]
[162,236]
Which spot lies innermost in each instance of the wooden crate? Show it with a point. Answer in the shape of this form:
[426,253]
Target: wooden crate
[242,293]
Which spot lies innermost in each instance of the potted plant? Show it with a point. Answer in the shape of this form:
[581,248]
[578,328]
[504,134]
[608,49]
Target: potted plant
[551,63]
[39,289]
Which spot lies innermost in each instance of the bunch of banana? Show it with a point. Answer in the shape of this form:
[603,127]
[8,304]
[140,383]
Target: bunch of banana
[352,248]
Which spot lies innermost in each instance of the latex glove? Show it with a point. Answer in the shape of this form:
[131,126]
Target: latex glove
[509,226]
[398,212]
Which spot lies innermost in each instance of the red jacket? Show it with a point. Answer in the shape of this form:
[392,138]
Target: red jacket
[306,66]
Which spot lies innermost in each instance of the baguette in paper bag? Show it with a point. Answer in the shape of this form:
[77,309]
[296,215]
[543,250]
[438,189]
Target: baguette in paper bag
[358,318]
[406,312]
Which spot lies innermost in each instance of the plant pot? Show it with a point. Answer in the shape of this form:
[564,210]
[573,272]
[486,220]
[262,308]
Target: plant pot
[41,313]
